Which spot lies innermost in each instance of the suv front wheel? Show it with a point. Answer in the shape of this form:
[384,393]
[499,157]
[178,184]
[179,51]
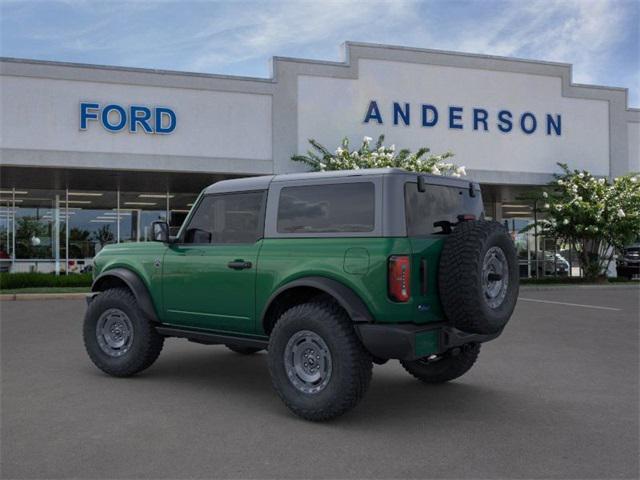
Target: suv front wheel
[119,339]
[318,366]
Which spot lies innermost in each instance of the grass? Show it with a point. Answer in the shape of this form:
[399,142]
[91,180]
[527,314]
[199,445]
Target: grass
[11,291]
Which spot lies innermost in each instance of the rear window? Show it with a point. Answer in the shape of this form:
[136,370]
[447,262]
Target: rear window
[437,203]
[332,208]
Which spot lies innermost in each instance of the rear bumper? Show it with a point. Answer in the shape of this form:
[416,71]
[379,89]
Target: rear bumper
[409,342]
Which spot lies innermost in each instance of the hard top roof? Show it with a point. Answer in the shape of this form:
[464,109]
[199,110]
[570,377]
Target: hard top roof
[263,182]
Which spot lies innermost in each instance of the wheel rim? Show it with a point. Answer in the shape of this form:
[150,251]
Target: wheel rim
[307,361]
[114,332]
[495,277]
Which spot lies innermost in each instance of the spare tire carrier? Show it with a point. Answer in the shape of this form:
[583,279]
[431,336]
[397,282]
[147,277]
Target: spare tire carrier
[478,277]
[495,276]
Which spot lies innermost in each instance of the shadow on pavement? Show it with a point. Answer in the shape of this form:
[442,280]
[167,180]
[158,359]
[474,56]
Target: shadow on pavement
[394,399]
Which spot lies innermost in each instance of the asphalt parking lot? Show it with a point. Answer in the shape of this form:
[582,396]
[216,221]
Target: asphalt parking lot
[556,396]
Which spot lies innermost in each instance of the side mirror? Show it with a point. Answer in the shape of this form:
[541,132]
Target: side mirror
[160,231]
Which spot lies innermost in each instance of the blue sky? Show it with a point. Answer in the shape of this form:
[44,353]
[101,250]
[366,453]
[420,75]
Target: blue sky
[600,38]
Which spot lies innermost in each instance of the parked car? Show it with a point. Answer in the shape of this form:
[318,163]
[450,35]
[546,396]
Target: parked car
[87,268]
[5,262]
[553,264]
[329,272]
[559,264]
[628,263]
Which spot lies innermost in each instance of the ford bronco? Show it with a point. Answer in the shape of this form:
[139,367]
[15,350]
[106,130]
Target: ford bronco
[328,272]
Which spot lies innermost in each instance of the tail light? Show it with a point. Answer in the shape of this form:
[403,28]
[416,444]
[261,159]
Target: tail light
[399,278]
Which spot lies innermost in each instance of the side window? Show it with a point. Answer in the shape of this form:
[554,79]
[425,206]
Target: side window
[340,207]
[227,218]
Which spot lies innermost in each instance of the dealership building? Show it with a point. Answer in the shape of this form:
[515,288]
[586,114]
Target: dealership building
[93,154]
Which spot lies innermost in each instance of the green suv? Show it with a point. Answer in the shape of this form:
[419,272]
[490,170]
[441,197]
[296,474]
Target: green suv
[329,272]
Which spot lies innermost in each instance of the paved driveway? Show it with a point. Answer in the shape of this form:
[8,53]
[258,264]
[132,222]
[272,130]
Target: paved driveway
[555,396]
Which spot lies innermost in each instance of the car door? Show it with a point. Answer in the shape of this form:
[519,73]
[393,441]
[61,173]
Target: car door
[209,274]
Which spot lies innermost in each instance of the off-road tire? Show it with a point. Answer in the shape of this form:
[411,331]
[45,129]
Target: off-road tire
[447,368]
[146,343]
[351,363]
[243,350]
[460,277]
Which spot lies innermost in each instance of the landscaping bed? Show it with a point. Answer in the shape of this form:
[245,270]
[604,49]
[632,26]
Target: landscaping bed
[46,281]
[45,290]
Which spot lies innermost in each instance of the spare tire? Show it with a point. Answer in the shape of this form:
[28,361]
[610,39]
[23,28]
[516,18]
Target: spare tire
[478,277]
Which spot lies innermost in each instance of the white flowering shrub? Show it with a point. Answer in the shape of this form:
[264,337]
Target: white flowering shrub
[592,214]
[377,156]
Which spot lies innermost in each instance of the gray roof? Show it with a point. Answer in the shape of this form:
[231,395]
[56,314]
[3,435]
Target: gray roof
[240,184]
[263,182]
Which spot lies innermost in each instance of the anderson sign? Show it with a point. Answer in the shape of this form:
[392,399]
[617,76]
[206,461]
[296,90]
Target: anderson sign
[461,118]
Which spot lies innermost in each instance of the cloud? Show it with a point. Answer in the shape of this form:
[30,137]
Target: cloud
[581,32]
[599,37]
[274,27]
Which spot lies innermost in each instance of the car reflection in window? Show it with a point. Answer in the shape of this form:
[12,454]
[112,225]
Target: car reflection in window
[346,207]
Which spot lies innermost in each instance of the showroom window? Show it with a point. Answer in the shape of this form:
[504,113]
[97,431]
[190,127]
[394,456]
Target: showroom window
[62,230]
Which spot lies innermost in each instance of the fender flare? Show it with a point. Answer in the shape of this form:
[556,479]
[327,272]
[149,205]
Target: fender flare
[345,296]
[135,284]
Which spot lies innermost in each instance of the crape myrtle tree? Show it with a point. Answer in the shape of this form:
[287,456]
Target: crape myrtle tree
[595,216]
[320,159]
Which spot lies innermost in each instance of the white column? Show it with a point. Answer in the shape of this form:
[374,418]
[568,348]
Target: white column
[166,215]
[9,218]
[66,232]
[118,215]
[56,234]
[13,228]
[498,212]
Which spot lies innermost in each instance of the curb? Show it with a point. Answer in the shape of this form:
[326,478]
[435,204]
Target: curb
[594,286]
[42,296]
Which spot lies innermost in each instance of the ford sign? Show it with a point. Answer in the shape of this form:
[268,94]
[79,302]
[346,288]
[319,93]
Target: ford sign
[134,118]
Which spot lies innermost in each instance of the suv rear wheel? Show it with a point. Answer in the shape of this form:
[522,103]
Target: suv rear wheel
[445,368]
[119,339]
[318,366]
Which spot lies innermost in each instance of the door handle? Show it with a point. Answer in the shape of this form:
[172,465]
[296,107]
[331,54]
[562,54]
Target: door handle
[238,265]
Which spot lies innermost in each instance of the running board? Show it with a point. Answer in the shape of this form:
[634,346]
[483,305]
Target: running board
[209,338]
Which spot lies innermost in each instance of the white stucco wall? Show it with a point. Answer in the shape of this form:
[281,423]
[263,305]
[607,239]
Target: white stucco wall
[43,114]
[633,137]
[244,126]
[329,107]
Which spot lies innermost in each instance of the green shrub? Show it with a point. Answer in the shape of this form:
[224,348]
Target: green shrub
[26,280]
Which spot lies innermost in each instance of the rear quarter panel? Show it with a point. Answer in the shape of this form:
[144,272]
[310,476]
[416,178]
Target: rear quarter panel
[284,260]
